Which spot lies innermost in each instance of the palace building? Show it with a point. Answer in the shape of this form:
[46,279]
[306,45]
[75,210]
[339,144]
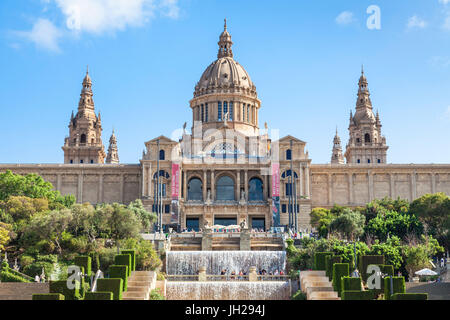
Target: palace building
[228,169]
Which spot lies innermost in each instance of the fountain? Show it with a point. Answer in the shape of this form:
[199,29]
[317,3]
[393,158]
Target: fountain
[201,263]
[228,290]
[189,262]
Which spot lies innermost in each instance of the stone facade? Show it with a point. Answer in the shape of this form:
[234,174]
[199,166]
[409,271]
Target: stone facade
[226,163]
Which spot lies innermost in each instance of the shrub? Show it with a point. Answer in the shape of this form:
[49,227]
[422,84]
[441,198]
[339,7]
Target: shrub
[329,261]
[48,296]
[351,284]
[398,286]
[61,287]
[85,262]
[299,295]
[156,294]
[319,260]
[111,285]
[132,253]
[123,260]
[365,261]
[357,295]
[339,270]
[98,296]
[7,276]
[119,272]
[106,258]
[409,296]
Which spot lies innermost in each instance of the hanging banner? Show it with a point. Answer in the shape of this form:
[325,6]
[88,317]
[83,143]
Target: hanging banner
[276,194]
[174,208]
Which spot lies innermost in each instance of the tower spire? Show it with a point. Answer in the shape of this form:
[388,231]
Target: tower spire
[225,43]
[336,155]
[113,151]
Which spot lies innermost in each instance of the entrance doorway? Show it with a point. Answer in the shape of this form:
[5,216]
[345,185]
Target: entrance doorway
[259,223]
[225,221]
[193,224]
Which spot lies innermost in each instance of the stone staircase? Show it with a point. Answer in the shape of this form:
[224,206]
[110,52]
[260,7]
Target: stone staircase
[317,286]
[21,291]
[140,283]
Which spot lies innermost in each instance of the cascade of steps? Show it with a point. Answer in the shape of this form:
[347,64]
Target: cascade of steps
[140,283]
[21,291]
[317,286]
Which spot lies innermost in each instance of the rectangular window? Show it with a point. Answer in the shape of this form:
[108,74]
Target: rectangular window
[231,111]
[219,111]
[225,109]
[288,189]
[203,113]
[379,161]
[81,161]
[283,208]
[248,113]
[243,112]
[167,208]
[198,113]
[206,112]
[71,161]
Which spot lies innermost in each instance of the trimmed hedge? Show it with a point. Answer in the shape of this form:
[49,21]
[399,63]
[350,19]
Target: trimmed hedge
[85,262]
[319,260]
[351,284]
[398,286]
[409,296]
[61,288]
[365,261]
[339,270]
[329,261]
[119,272]
[48,296]
[98,296]
[123,260]
[358,295]
[132,253]
[69,294]
[7,276]
[111,285]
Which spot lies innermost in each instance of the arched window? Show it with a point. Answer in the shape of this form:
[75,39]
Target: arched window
[287,173]
[231,111]
[225,188]
[225,109]
[195,189]
[162,173]
[83,138]
[255,190]
[289,154]
[162,155]
[367,138]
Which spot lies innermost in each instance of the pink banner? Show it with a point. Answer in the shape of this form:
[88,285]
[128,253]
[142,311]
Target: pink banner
[175,181]
[275,179]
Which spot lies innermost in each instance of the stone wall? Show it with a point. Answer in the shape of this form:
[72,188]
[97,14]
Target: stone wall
[94,183]
[356,185]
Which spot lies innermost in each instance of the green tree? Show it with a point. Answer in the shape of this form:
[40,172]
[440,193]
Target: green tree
[51,226]
[434,211]
[4,235]
[316,215]
[381,206]
[391,250]
[145,217]
[392,223]
[349,224]
[119,222]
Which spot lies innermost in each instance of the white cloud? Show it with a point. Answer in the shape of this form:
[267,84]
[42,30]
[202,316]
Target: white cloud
[345,17]
[447,113]
[444,1]
[44,35]
[416,22]
[100,16]
[439,62]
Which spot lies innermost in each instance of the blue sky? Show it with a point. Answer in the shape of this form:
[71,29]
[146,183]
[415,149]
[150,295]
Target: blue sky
[145,57]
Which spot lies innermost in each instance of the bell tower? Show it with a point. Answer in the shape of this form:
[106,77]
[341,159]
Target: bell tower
[366,145]
[337,157]
[84,143]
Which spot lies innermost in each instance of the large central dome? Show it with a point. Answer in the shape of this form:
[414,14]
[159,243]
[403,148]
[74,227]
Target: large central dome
[225,75]
[225,96]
